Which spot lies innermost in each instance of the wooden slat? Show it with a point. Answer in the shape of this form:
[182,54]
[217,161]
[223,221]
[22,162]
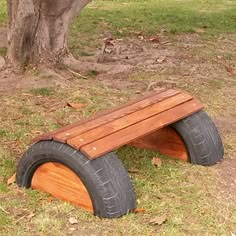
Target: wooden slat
[144,127]
[101,120]
[128,120]
[166,141]
[62,183]
[49,135]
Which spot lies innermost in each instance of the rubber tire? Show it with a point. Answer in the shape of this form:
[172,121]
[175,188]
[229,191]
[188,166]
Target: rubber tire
[105,178]
[201,138]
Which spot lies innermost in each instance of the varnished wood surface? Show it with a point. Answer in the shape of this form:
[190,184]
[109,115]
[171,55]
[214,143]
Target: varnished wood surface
[165,141]
[62,183]
[128,120]
[124,136]
[111,116]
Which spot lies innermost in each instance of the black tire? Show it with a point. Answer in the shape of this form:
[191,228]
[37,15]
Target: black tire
[105,178]
[201,138]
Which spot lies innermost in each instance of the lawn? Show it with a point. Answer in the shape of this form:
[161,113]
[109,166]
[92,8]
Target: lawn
[198,56]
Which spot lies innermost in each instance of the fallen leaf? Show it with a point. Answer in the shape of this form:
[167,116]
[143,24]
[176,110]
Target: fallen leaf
[156,161]
[141,37]
[133,170]
[11,180]
[159,220]
[73,220]
[27,94]
[75,105]
[50,199]
[229,70]
[108,41]
[138,210]
[199,30]
[138,32]
[107,50]
[35,132]
[155,39]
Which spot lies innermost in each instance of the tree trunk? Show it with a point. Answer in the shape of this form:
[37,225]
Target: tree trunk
[38,29]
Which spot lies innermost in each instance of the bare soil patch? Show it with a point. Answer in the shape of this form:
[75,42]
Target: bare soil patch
[227,176]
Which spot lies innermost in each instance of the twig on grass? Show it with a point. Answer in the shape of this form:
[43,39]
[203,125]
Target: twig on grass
[77,74]
[2,209]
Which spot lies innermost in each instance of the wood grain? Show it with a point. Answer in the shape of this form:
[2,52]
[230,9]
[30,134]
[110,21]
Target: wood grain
[124,136]
[62,183]
[110,116]
[166,141]
[128,120]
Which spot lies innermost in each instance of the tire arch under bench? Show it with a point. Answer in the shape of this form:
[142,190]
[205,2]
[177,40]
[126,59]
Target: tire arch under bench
[75,163]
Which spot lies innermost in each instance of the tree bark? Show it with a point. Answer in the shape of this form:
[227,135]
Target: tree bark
[37,30]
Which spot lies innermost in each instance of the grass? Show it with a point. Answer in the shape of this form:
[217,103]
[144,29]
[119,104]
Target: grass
[3,51]
[3,15]
[127,18]
[191,196]
[42,91]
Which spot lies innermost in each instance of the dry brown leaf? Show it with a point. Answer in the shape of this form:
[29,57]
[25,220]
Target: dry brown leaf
[108,41]
[138,210]
[141,37]
[156,161]
[155,39]
[36,132]
[133,170]
[11,180]
[229,70]
[199,31]
[73,220]
[27,94]
[50,199]
[159,220]
[75,105]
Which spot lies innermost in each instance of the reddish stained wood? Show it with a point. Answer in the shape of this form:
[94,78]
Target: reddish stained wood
[124,136]
[62,183]
[49,135]
[103,119]
[165,141]
[128,120]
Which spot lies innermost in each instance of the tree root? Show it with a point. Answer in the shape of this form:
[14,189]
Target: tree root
[83,67]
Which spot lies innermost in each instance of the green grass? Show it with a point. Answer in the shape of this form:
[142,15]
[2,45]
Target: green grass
[3,15]
[126,18]
[3,51]
[120,18]
[42,91]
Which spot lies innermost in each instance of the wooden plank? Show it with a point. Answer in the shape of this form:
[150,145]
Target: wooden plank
[144,127]
[166,141]
[101,120]
[62,183]
[49,135]
[130,119]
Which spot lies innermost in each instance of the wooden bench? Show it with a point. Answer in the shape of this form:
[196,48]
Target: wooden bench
[163,120]
[127,123]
